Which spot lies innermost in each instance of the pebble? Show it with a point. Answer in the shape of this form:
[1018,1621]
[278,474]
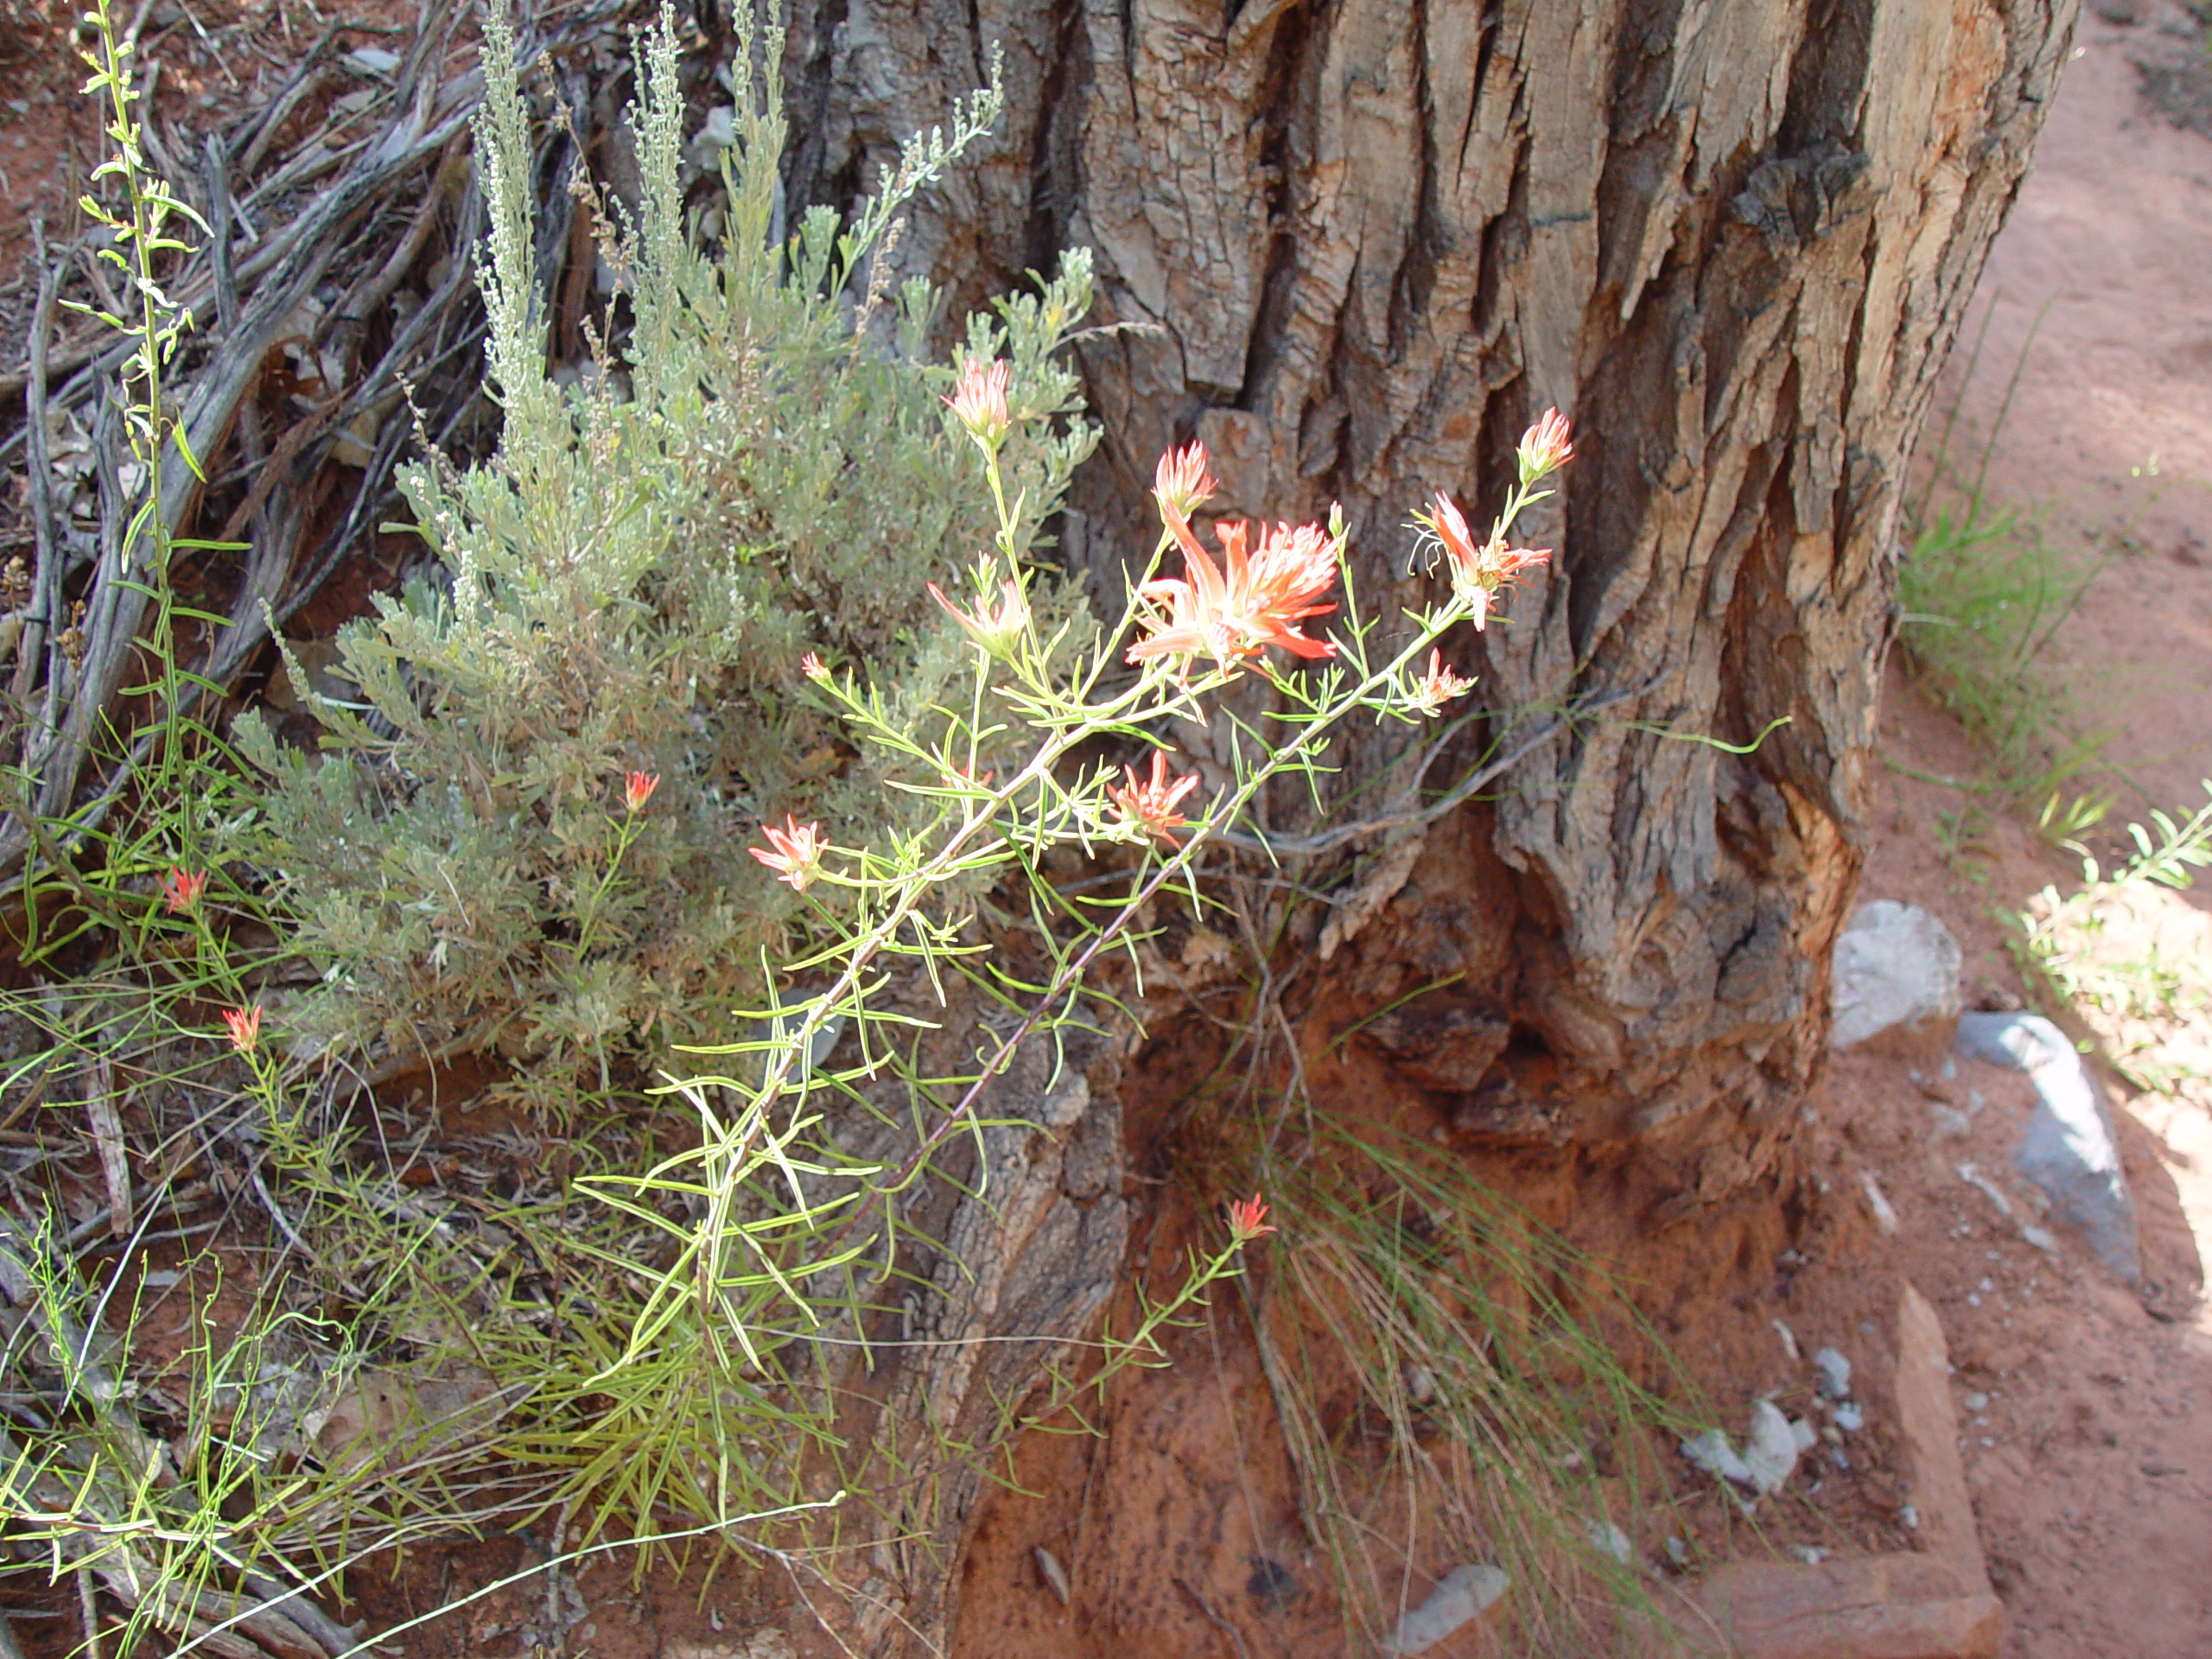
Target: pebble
[1460,1597]
[1975,1401]
[1773,1450]
[2070,1150]
[1848,1418]
[1609,1540]
[1835,1373]
[1894,965]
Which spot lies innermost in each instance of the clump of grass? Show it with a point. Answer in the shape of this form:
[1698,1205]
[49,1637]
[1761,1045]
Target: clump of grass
[1451,1383]
[2132,960]
[1981,592]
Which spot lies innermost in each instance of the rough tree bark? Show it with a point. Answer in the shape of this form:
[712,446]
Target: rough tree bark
[1733,239]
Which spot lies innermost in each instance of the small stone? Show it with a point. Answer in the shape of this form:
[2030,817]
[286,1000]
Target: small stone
[2070,1151]
[1974,1402]
[1788,1341]
[1712,1452]
[1461,1596]
[1849,1418]
[1885,1215]
[1811,1555]
[1894,965]
[1988,1188]
[1805,1435]
[1054,1575]
[1835,1373]
[1772,1452]
[1609,1540]
[1677,1551]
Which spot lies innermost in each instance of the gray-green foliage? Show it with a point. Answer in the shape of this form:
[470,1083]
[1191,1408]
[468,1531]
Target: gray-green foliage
[629,584]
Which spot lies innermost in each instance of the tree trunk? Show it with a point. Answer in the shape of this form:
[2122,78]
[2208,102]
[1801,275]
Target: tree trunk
[1368,241]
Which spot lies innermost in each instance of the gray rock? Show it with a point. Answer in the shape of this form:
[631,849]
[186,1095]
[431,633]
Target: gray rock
[1772,1452]
[1710,1452]
[1835,1373]
[1462,1596]
[1895,965]
[1610,1540]
[2070,1150]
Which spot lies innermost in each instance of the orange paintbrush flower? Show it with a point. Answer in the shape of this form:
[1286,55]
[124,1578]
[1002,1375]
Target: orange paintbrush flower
[1151,803]
[980,404]
[1544,447]
[244,1026]
[181,888]
[995,629]
[1248,1218]
[1478,572]
[798,847]
[1181,480]
[1248,602]
[638,788]
[1438,686]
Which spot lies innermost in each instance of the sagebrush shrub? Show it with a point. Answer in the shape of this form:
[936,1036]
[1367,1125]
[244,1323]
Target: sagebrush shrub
[749,473]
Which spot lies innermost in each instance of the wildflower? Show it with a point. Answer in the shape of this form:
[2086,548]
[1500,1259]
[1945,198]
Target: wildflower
[1247,1219]
[980,404]
[1478,572]
[810,665]
[796,859]
[638,788]
[1545,448]
[1150,804]
[1438,686]
[1237,609]
[243,1026]
[181,888]
[996,631]
[1181,480]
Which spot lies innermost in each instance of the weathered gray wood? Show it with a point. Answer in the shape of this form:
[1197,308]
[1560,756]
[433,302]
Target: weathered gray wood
[1733,239]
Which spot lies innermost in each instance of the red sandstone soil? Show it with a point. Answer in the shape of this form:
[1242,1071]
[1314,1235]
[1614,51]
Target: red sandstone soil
[2091,1460]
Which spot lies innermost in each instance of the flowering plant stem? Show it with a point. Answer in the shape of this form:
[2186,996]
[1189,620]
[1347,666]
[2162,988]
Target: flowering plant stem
[1231,612]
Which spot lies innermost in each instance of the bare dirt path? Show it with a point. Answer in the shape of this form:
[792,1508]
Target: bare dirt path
[2085,1411]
